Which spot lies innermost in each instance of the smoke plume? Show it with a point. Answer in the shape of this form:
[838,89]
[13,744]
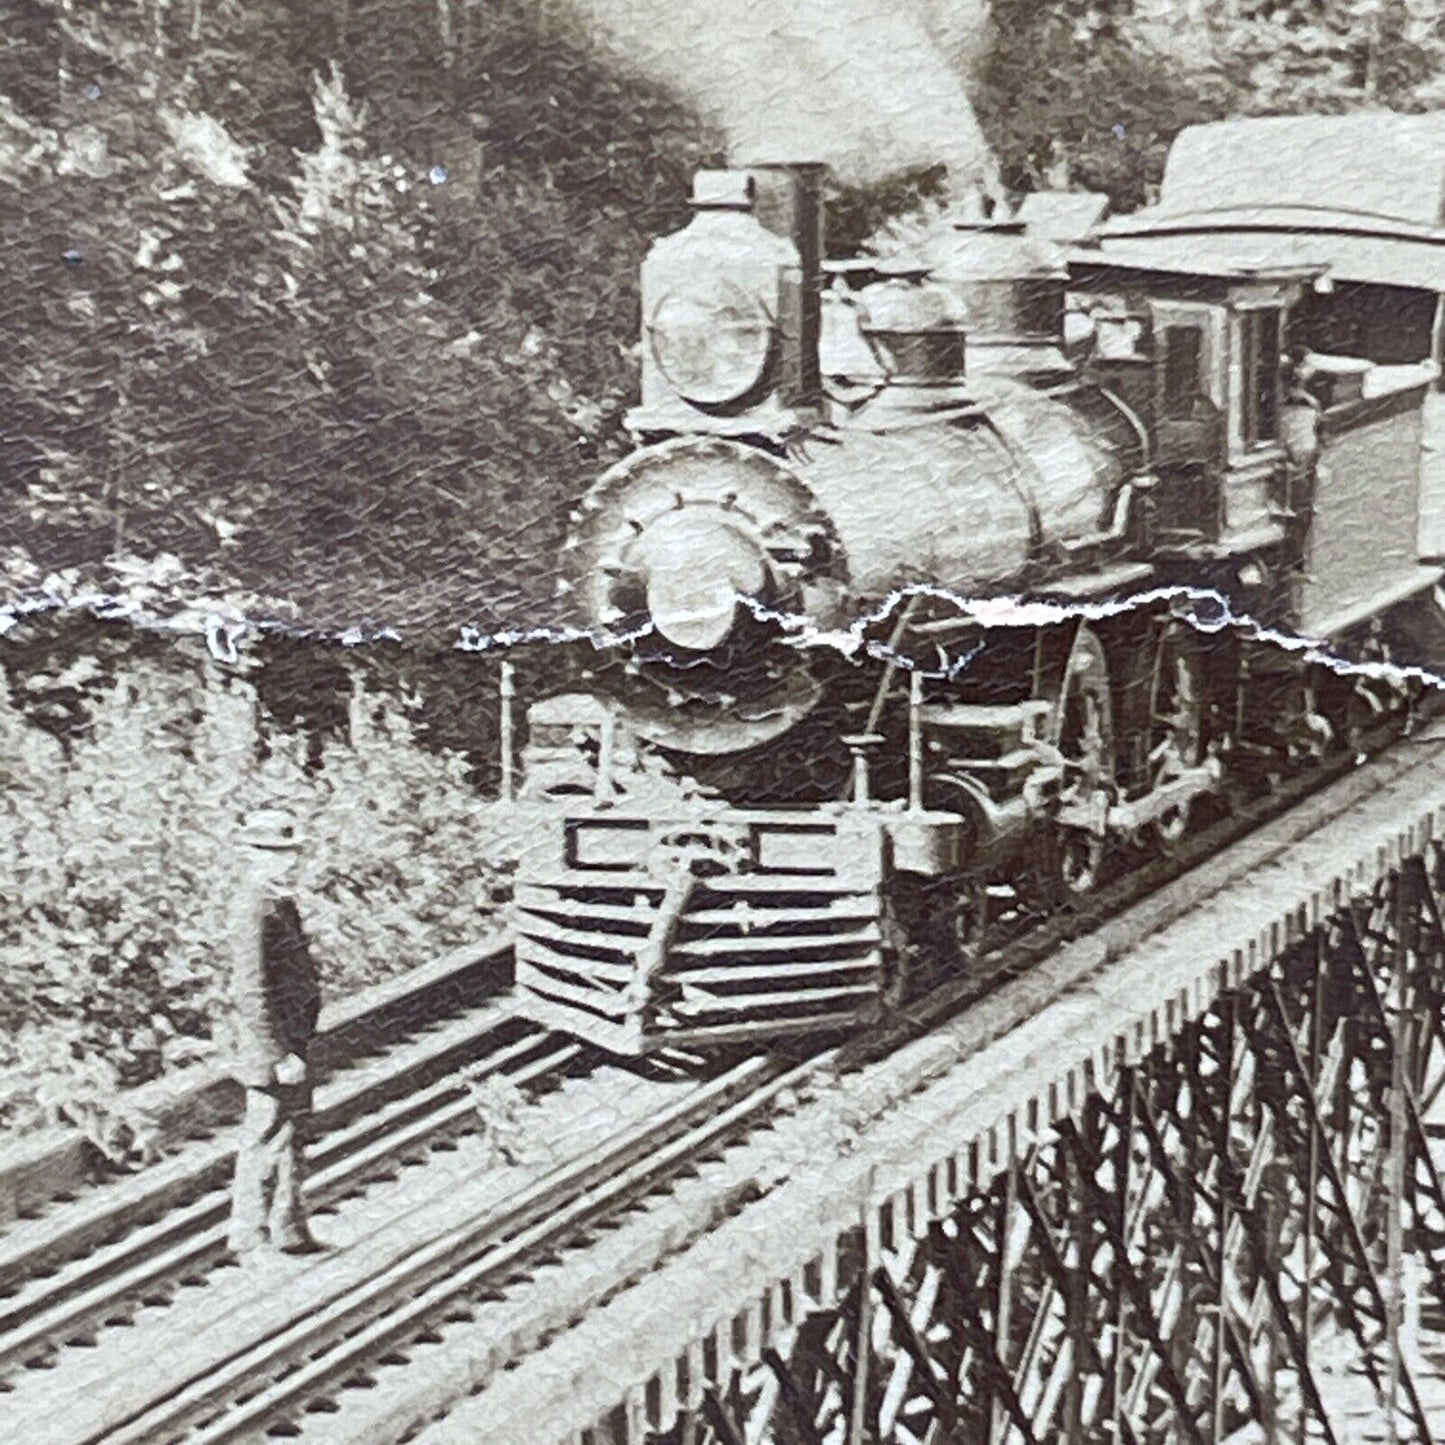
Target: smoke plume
[873,87]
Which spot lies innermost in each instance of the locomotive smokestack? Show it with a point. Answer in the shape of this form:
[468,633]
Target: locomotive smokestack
[788,200]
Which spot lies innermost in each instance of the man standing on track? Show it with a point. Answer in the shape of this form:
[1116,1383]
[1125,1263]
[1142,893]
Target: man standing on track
[277,997]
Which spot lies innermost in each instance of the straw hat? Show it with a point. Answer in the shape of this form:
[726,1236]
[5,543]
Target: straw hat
[274,829]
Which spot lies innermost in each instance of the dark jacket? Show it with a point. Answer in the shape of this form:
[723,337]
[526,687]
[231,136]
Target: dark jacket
[275,987]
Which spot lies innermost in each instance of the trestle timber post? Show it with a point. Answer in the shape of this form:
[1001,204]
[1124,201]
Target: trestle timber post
[1216,1243]
[507,734]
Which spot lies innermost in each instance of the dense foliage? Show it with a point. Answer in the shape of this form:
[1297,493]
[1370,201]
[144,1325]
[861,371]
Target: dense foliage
[1073,95]
[315,295]
[124,767]
[328,306]
[1090,93]
[336,299]
[1302,55]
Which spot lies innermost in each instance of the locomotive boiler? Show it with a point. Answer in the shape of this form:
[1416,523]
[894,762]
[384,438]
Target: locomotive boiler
[892,585]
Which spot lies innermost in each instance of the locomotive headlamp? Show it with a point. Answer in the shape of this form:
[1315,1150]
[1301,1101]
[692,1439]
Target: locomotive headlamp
[712,345]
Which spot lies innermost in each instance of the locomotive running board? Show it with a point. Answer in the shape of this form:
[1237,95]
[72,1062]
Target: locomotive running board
[1123,577]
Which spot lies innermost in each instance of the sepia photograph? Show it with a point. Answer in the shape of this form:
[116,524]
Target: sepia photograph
[722,724]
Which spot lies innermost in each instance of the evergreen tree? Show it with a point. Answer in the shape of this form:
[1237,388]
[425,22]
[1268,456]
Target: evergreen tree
[1304,55]
[333,301]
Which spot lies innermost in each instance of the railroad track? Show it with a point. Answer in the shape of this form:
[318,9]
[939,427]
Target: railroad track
[55,1184]
[304,1364]
[166,1225]
[302,1361]
[336,1375]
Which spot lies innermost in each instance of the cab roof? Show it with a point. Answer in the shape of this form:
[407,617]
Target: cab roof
[1362,194]
[1182,273]
[1379,166]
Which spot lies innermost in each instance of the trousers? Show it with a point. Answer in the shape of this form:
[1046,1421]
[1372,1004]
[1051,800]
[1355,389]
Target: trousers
[266,1192]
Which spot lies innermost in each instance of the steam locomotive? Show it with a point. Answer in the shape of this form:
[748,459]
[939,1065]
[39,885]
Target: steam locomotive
[921,578]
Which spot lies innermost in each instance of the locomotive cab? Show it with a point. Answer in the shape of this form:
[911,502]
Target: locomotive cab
[1364,196]
[1204,367]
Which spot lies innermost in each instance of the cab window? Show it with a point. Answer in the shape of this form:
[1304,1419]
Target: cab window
[1260,359]
[1183,348]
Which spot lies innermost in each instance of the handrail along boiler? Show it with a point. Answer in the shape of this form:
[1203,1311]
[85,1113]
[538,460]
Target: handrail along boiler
[739,830]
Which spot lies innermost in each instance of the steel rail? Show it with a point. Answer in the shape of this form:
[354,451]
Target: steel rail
[74,1302]
[320,1349]
[48,1175]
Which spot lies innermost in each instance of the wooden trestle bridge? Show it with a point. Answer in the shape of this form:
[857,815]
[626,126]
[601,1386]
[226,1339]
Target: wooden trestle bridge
[1186,1188]
[1176,1180]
